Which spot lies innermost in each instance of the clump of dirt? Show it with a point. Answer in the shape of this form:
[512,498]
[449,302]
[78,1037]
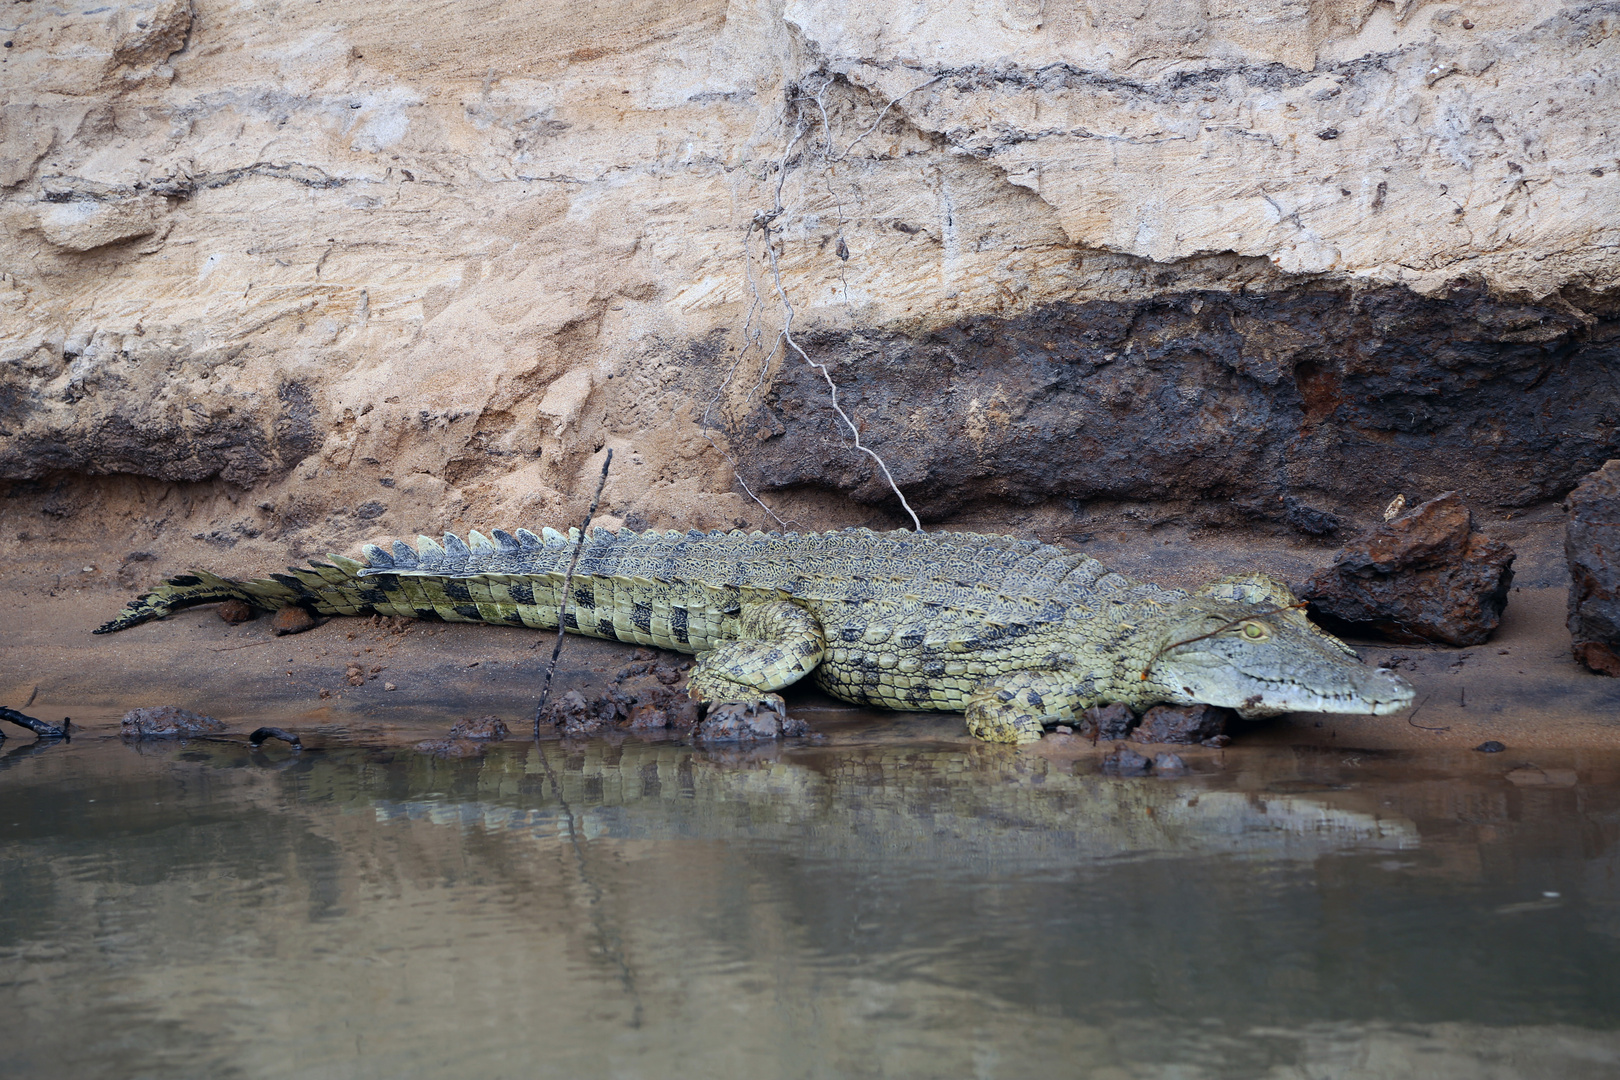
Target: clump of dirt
[648,695]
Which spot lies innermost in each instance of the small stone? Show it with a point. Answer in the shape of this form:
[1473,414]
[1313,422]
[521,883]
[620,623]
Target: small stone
[574,717]
[1592,547]
[648,718]
[1123,761]
[236,611]
[1168,765]
[167,722]
[389,686]
[452,748]
[1182,724]
[734,722]
[486,728]
[1490,746]
[1426,575]
[292,620]
[1106,722]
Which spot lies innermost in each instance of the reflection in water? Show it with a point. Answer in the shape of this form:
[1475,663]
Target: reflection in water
[845,910]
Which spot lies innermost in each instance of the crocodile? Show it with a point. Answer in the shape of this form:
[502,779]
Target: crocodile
[1017,634]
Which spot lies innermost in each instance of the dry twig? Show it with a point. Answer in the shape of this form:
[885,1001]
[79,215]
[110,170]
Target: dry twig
[568,582]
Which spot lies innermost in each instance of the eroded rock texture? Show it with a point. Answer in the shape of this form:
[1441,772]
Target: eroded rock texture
[1592,545]
[1427,575]
[1285,405]
[416,266]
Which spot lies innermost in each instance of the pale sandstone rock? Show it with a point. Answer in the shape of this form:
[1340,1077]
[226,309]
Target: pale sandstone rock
[464,248]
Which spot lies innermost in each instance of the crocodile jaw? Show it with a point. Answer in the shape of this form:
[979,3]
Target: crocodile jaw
[1291,671]
[1364,692]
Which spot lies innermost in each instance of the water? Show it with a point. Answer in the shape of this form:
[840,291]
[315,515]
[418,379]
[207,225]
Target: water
[877,906]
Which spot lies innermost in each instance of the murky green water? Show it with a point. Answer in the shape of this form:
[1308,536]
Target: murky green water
[870,907]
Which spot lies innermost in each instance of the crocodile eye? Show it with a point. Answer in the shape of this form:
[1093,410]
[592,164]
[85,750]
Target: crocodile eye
[1255,631]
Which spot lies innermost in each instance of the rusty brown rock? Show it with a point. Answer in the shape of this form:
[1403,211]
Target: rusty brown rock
[1181,724]
[1106,722]
[1592,546]
[292,620]
[1426,576]
[236,611]
[483,728]
[167,722]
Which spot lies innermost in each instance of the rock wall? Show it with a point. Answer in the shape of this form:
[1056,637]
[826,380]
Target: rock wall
[357,267]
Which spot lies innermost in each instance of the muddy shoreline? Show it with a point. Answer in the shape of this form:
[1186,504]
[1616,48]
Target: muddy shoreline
[1522,688]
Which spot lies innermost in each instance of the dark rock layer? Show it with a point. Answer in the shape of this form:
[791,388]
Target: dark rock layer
[1592,545]
[1286,406]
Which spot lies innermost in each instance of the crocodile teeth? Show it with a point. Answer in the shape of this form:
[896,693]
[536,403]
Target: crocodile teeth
[504,541]
[529,541]
[478,542]
[428,548]
[377,557]
[403,555]
[453,545]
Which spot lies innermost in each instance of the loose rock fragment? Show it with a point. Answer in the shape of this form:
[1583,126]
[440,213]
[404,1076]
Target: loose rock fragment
[168,722]
[1168,765]
[452,748]
[1182,724]
[1123,761]
[292,620]
[236,611]
[733,722]
[1106,723]
[1427,575]
[1592,546]
[485,728]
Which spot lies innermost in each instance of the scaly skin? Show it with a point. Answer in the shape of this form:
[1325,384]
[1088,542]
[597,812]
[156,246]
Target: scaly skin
[1017,634]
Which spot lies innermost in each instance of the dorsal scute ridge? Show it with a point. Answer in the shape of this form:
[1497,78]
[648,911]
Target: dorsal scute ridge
[428,549]
[377,557]
[404,554]
[529,541]
[454,547]
[478,542]
[504,542]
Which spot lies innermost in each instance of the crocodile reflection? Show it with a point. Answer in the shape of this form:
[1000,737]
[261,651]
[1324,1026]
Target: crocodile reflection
[881,802]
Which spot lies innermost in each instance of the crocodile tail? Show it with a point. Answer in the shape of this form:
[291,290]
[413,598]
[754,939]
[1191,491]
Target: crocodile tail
[183,591]
[325,590]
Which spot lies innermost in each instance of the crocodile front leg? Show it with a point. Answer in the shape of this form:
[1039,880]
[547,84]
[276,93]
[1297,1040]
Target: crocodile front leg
[780,644]
[1014,708]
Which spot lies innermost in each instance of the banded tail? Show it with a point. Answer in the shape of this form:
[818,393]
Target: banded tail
[427,582]
[327,589]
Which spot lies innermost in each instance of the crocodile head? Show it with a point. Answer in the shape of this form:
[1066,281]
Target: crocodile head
[1265,662]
